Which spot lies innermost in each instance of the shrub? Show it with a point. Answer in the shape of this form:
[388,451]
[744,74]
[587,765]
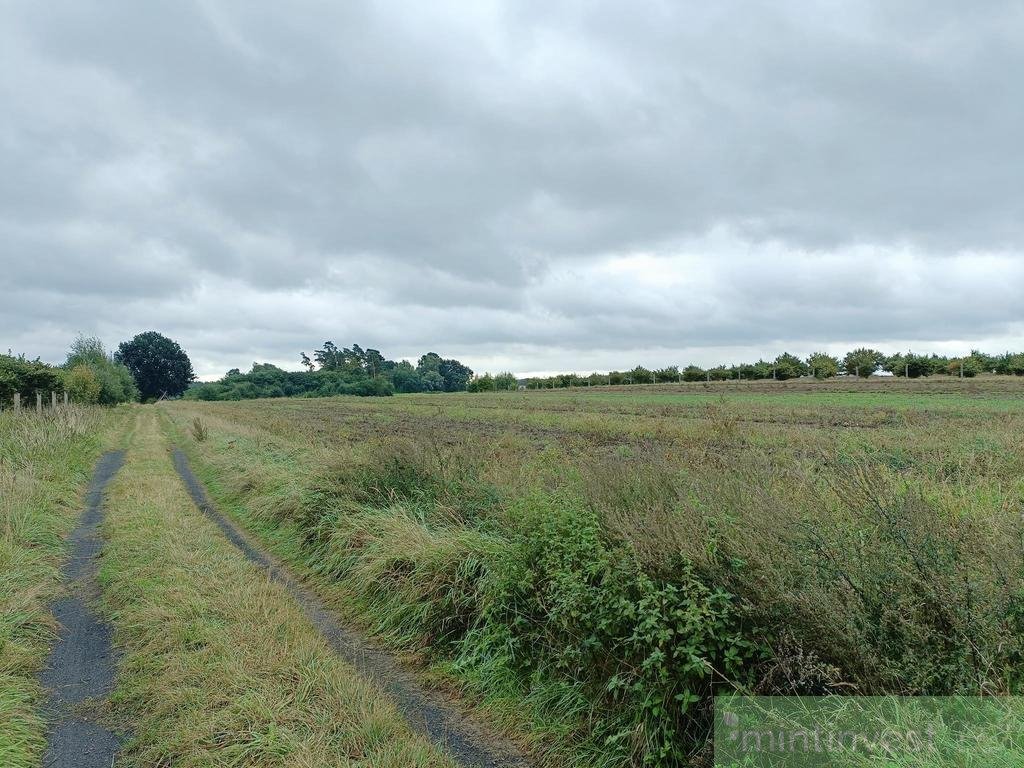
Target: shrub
[82,385]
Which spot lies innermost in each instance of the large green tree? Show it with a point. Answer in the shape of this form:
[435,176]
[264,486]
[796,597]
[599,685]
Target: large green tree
[158,364]
[822,365]
[862,362]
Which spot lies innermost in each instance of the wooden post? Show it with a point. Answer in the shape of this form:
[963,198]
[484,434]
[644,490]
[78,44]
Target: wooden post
[17,402]
[53,399]
[39,402]
[65,398]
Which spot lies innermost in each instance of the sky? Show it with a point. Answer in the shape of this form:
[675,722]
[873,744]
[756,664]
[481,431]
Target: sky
[526,186]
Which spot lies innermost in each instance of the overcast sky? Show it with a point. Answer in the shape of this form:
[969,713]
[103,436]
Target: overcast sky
[530,186]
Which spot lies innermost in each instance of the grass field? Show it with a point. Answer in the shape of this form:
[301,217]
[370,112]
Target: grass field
[591,566]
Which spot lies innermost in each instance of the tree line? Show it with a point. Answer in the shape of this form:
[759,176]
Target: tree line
[334,370]
[861,362]
[146,367]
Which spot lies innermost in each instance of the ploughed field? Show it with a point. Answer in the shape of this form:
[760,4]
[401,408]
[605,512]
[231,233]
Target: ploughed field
[588,567]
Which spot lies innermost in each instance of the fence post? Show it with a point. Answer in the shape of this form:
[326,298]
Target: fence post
[53,399]
[17,402]
[39,402]
[65,398]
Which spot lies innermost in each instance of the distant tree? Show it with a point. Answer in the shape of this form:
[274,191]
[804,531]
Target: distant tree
[822,365]
[483,383]
[968,367]
[787,366]
[506,381]
[158,365]
[910,365]
[862,362]
[640,375]
[456,375]
[667,374]
[721,373]
[432,381]
[405,378]
[307,363]
[694,373]
[1015,364]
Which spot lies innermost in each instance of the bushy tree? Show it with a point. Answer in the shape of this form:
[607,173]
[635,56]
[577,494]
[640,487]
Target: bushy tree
[822,365]
[667,374]
[787,366]
[82,385]
[862,362]
[968,367]
[694,373]
[506,381]
[1015,364]
[483,383]
[641,375]
[158,364]
[909,364]
[115,380]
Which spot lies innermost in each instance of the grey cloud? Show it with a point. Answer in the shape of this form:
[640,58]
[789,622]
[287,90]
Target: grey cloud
[457,175]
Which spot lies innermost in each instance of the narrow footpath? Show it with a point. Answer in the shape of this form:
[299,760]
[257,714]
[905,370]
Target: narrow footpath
[80,670]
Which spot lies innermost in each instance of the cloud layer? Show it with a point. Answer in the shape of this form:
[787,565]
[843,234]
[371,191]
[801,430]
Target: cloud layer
[527,187]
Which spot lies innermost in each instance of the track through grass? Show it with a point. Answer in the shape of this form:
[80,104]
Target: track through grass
[220,666]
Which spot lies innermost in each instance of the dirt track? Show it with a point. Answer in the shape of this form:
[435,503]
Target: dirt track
[425,711]
[80,670]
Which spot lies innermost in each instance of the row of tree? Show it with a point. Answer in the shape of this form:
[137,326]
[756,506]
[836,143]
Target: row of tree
[146,367]
[862,362]
[334,370]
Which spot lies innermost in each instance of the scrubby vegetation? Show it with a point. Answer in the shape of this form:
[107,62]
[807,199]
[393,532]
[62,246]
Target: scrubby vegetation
[599,565]
[339,371]
[89,375]
[861,363]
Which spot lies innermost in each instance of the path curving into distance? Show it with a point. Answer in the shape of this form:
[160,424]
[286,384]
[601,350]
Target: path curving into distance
[80,670]
[425,711]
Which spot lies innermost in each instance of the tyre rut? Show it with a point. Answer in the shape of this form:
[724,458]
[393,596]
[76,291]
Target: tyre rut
[425,711]
[80,670]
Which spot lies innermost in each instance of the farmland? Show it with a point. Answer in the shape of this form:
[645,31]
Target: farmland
[586,568]
[562,577]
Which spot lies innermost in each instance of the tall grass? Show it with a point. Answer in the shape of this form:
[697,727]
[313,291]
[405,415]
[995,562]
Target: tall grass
[612,571]
[44,465]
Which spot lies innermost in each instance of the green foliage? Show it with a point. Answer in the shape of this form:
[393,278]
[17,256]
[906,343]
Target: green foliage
[483,383]
[914,366]
[862,362]
[565,603]
[694,373]
[158,364]
[787,366]
[506,382]
[26,377]
[116,384]
[822,365]
[82,385]
[968,367]
[266,380]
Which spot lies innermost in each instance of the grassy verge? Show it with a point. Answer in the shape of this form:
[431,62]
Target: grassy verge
[220,667]
[45,463]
